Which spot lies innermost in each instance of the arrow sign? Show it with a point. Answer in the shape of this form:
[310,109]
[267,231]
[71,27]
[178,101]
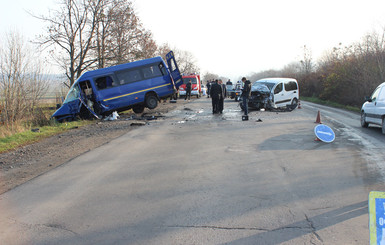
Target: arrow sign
[324,133]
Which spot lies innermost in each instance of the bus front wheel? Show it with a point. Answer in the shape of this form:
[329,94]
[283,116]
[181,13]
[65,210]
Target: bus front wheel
[138,108]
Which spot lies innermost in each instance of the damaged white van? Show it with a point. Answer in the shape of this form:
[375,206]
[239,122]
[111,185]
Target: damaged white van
[272,93]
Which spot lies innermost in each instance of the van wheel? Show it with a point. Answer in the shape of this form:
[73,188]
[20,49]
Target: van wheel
[151,101]
[364,124]
[138,108]
[383,125]
[294,103]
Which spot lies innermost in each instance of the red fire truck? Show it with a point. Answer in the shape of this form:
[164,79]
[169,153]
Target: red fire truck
[196,86]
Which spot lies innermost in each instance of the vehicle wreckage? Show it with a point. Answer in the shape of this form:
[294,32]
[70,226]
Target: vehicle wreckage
[274,94]
[134,85]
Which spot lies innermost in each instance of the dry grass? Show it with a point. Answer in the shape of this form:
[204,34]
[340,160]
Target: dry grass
[7,130]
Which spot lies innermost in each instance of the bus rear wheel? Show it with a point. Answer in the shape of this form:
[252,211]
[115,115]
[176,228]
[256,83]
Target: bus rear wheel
[151,101]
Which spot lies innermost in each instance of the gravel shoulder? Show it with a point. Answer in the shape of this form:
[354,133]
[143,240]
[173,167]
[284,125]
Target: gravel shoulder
[28,162]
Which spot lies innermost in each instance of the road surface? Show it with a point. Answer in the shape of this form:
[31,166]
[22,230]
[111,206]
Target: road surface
[198,178]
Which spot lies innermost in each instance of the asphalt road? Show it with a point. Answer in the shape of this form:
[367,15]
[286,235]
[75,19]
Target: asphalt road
[198,178]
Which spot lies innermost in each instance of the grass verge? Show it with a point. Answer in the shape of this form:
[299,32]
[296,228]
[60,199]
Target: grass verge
[27,137]
[330,103]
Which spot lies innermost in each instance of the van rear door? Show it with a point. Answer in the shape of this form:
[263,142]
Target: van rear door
[174,70]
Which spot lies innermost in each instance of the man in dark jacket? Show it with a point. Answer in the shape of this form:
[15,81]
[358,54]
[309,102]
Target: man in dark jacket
[246,92]
[222,98]
[188,90]
[208,84]
[215,93]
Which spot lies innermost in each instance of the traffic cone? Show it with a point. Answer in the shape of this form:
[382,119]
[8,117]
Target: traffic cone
[299,104]
[318,120]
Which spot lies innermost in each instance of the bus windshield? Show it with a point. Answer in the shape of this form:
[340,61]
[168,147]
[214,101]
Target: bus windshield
[73,94]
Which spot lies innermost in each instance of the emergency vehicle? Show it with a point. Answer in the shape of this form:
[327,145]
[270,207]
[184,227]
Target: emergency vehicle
[196,86]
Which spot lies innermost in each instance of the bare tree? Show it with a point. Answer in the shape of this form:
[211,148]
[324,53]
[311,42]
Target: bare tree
[186,62]
[209,76]
[22,82]
[147,46]
[128,40]
[163,50]
[185,59]
[307,65]
[71,29]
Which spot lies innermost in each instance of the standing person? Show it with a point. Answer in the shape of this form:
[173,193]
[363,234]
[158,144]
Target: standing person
[208,85]
[246,92]
[223,96]
[188,90]
[215,93]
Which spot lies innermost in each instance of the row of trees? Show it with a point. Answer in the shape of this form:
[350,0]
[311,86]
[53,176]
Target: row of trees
[81,35]
[89,34]
[345,74]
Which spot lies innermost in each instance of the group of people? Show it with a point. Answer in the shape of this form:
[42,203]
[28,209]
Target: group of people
[217,91]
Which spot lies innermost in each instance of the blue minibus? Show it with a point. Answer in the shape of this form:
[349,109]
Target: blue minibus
[134,85]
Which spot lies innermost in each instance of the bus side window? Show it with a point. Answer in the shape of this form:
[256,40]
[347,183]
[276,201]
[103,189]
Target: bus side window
[128,76]
[151,71]
[104,82]
[163,69]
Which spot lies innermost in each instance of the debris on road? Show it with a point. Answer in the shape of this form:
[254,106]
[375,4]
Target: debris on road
[138,124]
[114,116]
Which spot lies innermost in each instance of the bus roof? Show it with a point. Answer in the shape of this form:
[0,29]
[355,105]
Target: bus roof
[111,69]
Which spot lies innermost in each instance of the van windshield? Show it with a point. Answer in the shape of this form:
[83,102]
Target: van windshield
[73,94]
[262,85]
[192,79]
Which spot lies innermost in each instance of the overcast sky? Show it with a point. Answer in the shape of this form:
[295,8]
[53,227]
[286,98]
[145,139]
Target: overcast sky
[234,38]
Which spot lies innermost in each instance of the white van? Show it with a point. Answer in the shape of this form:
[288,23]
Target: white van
[274,93]
[373,110]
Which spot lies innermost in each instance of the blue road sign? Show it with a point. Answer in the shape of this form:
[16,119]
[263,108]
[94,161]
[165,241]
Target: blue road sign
[377,217]
[324,133]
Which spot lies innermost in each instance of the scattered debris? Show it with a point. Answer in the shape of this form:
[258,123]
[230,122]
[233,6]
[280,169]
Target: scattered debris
[36,130]
[187,109]
[138,124]
[114,116]
[146,116]
[259,120]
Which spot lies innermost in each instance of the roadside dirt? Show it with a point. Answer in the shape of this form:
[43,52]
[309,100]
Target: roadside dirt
[28,162]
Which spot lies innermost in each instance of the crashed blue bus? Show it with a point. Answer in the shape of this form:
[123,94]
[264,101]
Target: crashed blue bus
[136,85]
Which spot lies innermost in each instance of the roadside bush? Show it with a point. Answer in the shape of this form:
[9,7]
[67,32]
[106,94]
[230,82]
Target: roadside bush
[40,119]
[22,84]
